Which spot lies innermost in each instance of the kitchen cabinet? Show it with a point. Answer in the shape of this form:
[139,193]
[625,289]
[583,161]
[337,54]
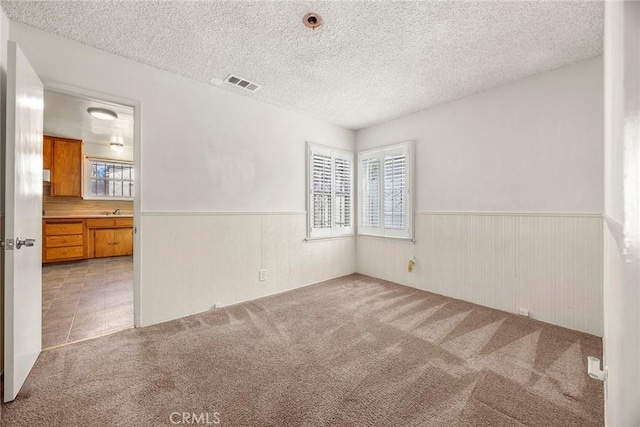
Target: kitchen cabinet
[110,237]
[47,152]
[110,222]
[64,157]
[112,242]
[76,238]
[64,240]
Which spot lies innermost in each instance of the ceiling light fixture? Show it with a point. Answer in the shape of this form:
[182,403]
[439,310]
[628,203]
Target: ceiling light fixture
[118,147]
[102,113]
[312,20]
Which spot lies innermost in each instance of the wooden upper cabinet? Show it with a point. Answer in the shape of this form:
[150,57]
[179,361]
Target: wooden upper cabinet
[47,152]
[66,167]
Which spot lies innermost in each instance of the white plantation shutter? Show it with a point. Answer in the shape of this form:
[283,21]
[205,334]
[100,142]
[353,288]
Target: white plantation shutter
[343,192]
[395,191]
[369,192]
[385,191]
[330,192]
[321,188]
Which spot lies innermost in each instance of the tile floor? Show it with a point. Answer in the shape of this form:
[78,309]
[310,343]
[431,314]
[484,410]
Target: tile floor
[86,299]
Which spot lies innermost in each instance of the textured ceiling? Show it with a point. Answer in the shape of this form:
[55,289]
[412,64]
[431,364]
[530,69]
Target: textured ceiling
[66,116]
[370,62]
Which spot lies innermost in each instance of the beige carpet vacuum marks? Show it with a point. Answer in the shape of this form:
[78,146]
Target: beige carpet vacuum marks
[354,351]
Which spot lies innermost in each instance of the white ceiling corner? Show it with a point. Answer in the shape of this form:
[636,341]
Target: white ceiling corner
[369,62]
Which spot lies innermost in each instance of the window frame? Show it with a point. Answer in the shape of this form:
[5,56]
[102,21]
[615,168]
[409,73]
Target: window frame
[333,232]
[380,154]
[86,187]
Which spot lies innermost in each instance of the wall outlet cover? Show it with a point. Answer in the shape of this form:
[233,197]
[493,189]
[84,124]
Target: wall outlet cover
[262,275]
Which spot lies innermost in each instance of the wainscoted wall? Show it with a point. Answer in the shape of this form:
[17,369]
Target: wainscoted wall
[550,265]
[532,146]
[197,154]
[190,261]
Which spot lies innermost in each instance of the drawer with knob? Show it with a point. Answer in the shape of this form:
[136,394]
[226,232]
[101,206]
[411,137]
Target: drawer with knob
[109,222]
[52,229]
[64,240]
[59,254]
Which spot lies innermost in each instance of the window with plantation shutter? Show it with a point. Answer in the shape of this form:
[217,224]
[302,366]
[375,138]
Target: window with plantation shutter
[321,189]
[395,191]
[343,181]
[370,192]
[330,178]
[385,179]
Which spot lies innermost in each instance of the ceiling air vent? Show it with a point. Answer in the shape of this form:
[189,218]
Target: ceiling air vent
[240,82]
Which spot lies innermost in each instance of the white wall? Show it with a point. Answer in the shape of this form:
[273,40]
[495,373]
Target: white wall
[509,198]
[530,146]
[622,214]
[205,150]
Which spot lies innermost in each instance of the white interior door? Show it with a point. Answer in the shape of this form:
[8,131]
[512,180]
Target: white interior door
[23,221]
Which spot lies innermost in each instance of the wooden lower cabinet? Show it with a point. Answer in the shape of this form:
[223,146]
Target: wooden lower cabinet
[64,254]
[82,238]
[63,240]
[112,242]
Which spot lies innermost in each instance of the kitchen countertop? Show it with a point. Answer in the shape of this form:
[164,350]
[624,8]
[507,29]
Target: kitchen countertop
[79,216]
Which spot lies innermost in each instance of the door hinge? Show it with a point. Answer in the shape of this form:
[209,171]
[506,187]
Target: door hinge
[7,244]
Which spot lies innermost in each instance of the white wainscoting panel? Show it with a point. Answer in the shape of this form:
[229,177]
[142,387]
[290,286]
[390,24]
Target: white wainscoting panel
[192,261]
[620,340]
[550,265]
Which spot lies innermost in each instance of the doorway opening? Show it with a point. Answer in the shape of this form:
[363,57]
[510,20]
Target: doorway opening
[88,218]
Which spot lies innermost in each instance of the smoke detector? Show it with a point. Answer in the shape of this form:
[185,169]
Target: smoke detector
[242,83]
[312,20]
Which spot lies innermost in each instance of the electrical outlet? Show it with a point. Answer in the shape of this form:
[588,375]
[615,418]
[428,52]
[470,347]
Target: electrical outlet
[524,312]
[216,305]
[262,275]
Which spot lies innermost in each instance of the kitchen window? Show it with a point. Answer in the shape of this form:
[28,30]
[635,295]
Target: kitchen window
[108,179]
[330,192]
[385,182]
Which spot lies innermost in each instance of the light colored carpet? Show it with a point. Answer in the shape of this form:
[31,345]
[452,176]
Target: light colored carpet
[354,351]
